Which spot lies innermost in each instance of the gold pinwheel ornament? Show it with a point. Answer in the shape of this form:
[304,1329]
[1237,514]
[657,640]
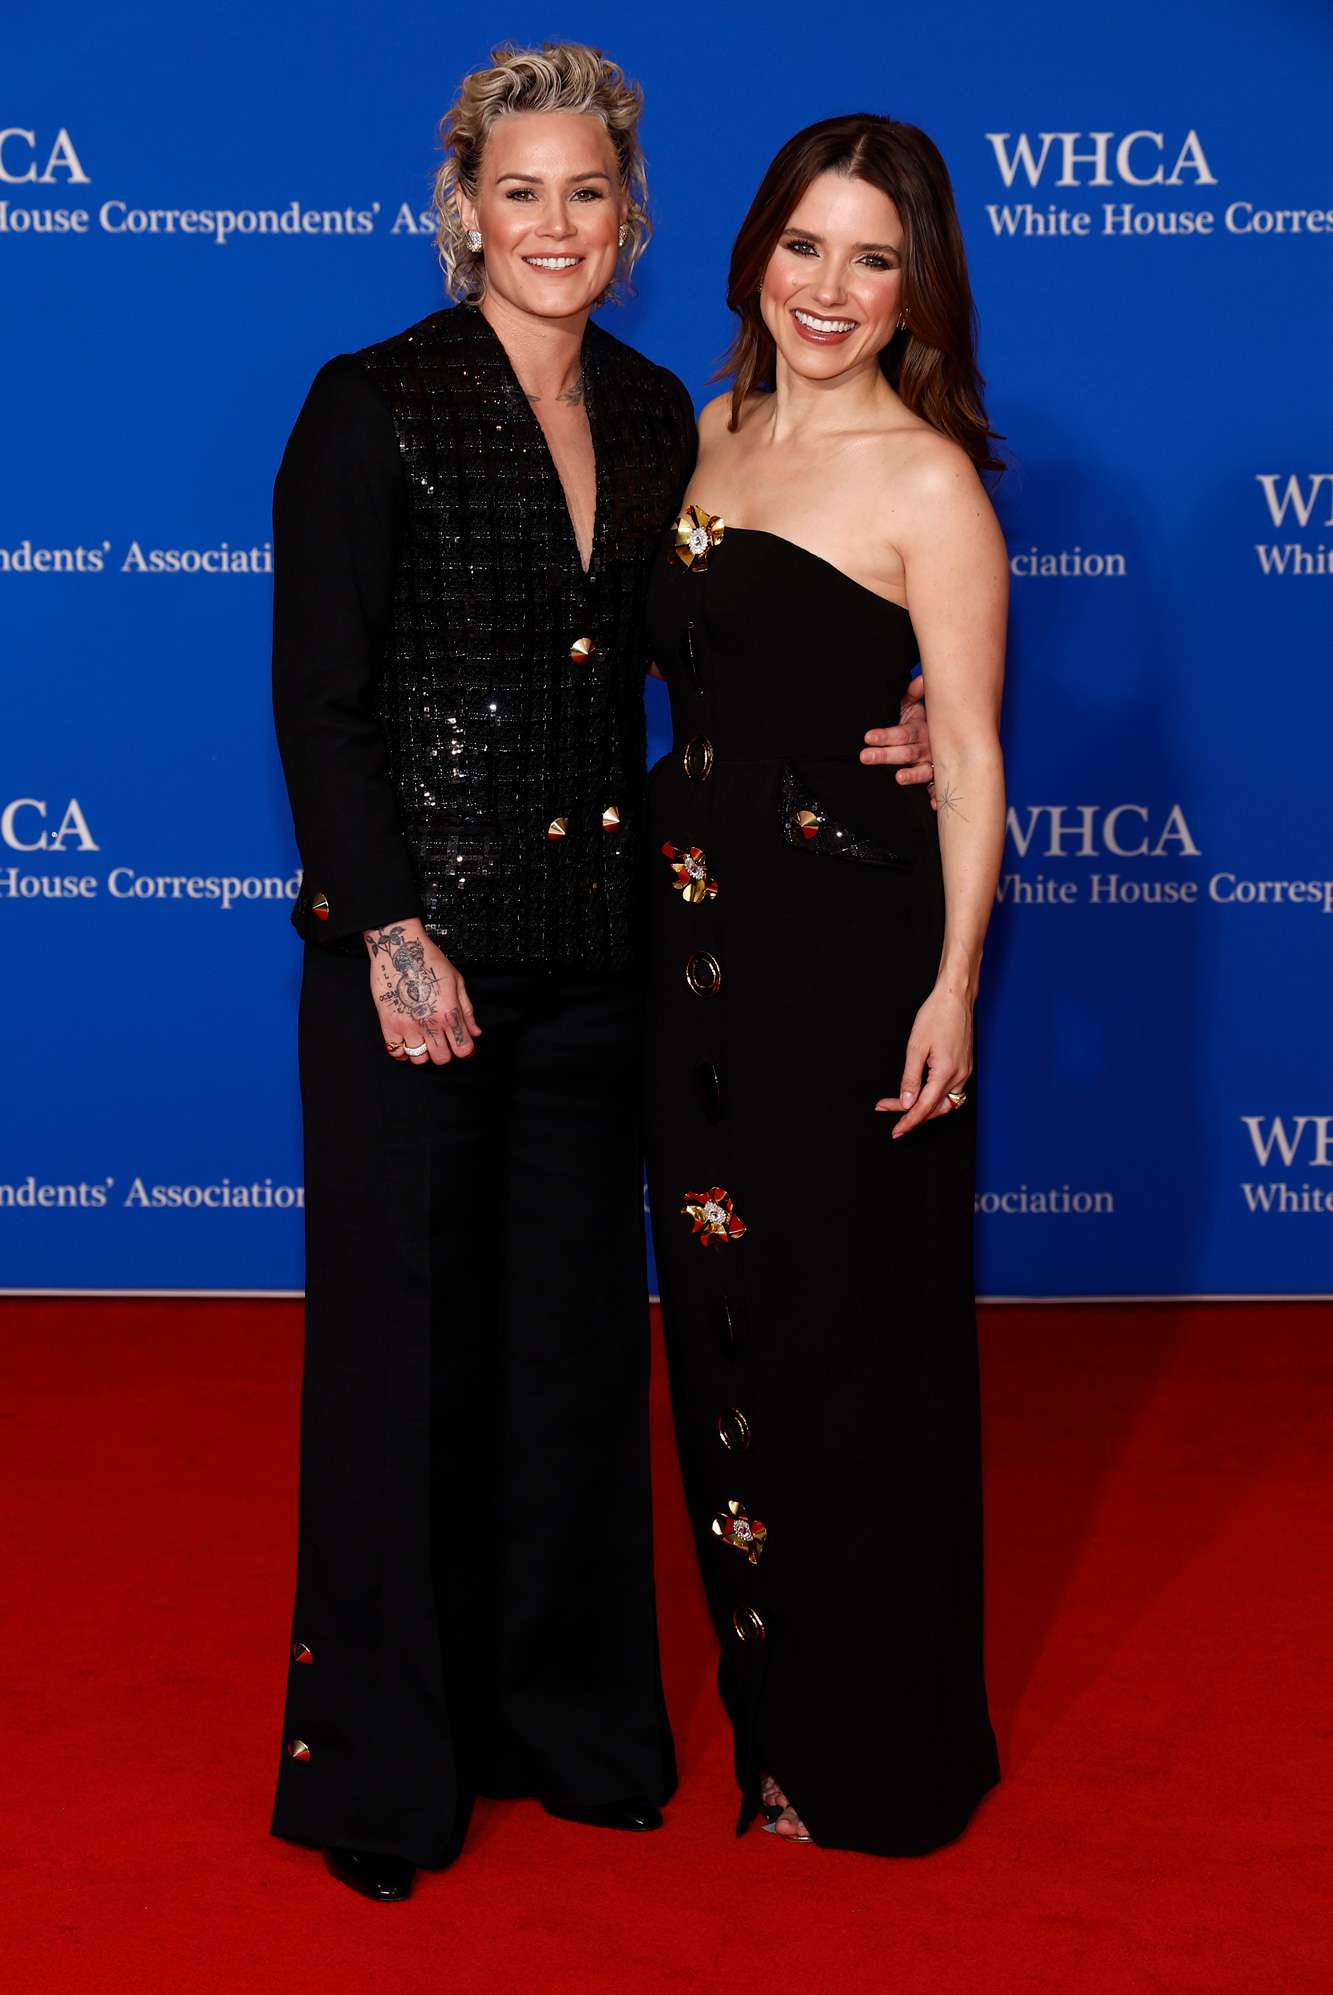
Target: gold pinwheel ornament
[689,872]
[713,1214]
[745,1534]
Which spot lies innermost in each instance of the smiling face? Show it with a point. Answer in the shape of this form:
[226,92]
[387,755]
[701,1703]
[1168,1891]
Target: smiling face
[832,288]
[549,208]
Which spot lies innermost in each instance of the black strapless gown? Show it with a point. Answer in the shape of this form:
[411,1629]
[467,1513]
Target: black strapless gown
[816,1277]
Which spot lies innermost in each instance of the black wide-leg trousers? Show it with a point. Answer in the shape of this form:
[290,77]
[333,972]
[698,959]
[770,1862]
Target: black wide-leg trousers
[474,1603]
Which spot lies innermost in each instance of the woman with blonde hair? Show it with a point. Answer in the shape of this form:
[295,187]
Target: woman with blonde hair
[463,519]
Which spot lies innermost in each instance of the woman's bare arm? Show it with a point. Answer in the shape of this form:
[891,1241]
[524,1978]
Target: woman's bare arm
[957,590]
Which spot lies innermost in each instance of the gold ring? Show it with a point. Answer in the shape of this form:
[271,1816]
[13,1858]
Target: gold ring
[393,1045]
[957,1096]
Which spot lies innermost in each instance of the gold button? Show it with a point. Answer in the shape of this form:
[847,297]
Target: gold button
[698,758]
[300,1653]
[297,1749]
[319,907]
[733,1430]
[558,828]
[582,649]
[749,1624]
[611,818]
[703,973]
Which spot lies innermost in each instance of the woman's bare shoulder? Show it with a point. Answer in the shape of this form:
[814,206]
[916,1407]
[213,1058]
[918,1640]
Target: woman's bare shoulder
[921,481]
[714,417]
[930,465]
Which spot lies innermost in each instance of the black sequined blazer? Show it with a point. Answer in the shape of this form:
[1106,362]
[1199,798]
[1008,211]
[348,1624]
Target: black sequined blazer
[459,706]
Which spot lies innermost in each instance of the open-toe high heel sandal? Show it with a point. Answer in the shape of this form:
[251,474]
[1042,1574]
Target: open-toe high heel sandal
[774,1805]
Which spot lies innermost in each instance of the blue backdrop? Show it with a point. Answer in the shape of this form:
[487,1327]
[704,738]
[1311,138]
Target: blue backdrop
[197,209]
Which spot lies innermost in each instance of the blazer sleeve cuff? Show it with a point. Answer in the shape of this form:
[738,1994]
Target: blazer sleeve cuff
[328,915]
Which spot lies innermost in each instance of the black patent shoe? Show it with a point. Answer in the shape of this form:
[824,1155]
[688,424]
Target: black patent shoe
[639,1816]
[386,1879]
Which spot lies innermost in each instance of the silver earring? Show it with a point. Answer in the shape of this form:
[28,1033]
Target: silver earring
[624,234]
[474,239]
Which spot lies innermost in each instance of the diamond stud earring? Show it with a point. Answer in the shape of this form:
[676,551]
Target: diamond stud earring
[624,234]
[474,239]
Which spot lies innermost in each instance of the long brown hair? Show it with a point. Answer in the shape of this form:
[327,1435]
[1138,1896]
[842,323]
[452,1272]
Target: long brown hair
[931,361]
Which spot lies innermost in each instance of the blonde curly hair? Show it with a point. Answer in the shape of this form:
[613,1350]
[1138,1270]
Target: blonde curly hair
[559,76]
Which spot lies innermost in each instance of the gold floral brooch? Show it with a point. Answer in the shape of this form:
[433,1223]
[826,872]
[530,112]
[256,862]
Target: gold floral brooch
[697,533]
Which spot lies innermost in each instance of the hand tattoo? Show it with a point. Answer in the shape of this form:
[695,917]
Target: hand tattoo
[417,987]
[457,1032]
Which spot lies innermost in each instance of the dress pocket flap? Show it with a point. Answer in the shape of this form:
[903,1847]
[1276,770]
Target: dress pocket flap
[810,827]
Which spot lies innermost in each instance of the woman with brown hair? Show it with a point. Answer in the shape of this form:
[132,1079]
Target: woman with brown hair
[816,947]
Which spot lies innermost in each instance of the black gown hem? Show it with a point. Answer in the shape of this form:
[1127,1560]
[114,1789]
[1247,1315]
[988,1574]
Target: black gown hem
[921,1843]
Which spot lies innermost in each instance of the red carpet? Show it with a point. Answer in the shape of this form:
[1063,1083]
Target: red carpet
[1158,1625]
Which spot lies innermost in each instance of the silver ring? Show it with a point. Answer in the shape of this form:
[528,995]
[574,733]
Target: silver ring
[413,1051]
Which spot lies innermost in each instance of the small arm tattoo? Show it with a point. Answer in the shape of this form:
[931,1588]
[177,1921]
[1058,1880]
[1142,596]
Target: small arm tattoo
[949,799]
